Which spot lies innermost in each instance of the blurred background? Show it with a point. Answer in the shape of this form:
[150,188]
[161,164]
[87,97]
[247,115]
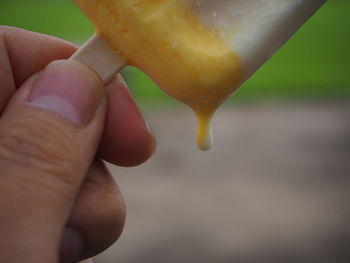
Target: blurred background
[275,187]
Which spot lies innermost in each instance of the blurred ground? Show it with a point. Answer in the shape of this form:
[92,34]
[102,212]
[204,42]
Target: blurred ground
[275,188]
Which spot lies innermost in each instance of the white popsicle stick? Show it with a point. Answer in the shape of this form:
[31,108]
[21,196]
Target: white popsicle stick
[97,55]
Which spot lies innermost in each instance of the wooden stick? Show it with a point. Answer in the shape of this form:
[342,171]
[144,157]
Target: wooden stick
[96,54]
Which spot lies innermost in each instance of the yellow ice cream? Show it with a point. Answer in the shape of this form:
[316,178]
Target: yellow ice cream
[166,40]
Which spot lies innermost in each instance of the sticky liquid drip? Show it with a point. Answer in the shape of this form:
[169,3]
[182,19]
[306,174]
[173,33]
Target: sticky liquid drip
[204,133]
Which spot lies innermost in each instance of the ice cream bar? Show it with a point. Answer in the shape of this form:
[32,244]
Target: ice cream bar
[198,51]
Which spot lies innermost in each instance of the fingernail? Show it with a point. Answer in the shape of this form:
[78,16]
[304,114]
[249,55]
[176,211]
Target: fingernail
[68,89]
[71,247]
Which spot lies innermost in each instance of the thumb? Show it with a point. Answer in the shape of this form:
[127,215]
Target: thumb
[49,134]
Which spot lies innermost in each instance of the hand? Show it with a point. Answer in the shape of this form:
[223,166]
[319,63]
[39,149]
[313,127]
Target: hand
[58,201]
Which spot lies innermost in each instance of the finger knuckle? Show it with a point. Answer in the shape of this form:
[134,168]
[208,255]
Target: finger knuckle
[41,146]
[116,215]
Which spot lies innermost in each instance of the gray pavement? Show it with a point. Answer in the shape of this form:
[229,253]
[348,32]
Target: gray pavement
[275,188]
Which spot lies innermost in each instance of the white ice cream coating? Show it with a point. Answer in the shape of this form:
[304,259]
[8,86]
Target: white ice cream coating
[255,29]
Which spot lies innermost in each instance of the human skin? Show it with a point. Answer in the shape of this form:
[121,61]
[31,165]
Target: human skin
[58,201]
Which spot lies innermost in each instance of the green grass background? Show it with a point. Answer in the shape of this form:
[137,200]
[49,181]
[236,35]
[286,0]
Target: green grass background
[314,64]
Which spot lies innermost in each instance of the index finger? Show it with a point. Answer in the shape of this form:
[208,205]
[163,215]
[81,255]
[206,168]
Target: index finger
[29,52]
[22,53]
